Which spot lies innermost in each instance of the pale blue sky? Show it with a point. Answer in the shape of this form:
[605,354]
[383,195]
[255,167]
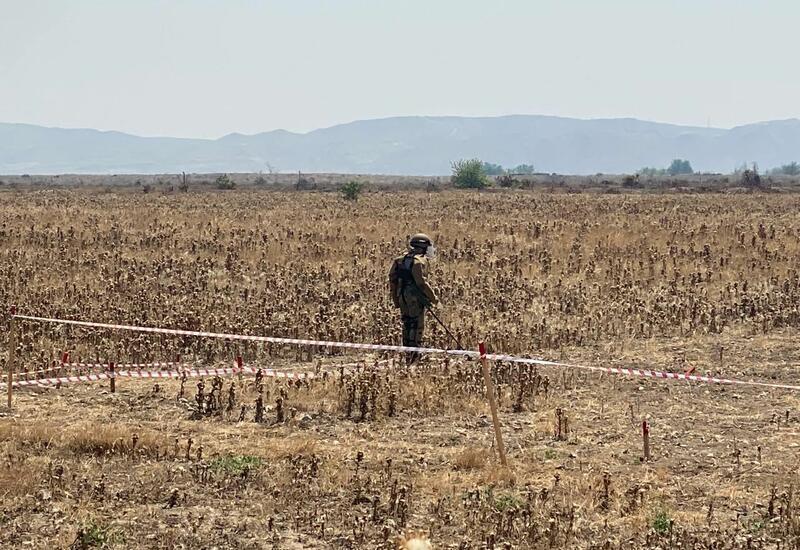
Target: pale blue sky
[204,68]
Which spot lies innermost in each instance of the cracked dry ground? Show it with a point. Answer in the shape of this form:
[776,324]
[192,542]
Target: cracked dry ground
[141,468]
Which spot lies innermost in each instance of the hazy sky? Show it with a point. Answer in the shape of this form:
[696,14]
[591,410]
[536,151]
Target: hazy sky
[204,68]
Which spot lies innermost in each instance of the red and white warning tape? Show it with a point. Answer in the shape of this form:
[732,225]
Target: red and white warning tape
[121,365]
[223,371]
[644,373]
[190,373]
[382,347]
[63,367]
[244,337]
[63,377]
[57,380]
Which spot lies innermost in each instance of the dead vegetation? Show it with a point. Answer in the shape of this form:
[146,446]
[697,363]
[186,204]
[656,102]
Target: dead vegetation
[364,455]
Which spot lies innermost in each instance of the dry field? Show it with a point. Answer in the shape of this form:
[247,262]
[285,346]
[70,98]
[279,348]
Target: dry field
[358,455]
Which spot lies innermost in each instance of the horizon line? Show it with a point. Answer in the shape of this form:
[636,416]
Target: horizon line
[356,121]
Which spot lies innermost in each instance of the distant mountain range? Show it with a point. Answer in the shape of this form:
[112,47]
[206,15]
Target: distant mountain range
[408,146]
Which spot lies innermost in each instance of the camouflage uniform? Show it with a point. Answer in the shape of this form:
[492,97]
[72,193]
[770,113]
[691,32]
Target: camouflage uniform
[411,293]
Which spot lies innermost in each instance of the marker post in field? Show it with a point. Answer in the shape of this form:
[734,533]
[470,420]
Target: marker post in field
[487,378]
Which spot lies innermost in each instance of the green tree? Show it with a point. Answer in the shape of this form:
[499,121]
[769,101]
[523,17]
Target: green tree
[469,174]
[523,169]
[679,167]
[352,190]
[493,169]
[651,171]
[224,182]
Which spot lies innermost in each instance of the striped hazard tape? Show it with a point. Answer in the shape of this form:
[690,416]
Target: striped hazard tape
[645,373]
[127,371]
[65,367]
[167,364]
[189,373]
[248,338]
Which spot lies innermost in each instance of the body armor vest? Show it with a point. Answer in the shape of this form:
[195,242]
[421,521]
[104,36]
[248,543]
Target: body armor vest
[404,273]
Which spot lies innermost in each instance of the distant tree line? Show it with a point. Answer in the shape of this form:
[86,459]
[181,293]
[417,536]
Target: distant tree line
[676,168]
[681,167]
[498,170]
[474,173]
[791,169]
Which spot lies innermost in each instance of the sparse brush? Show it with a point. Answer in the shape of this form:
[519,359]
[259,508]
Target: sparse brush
[644,277]
[96,535]
[471,459]
[89,439]
[236,465]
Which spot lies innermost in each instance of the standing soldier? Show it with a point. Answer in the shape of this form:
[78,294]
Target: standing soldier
[410,292]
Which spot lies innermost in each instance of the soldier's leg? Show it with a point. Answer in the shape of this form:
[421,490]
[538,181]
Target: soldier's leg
[419,337]
[418,328]
[410,336]
[408,330]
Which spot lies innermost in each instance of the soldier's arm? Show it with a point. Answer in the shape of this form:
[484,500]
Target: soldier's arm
[418,271]
[393,285]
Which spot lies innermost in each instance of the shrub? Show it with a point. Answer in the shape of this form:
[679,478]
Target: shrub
[224,182]
[506,180]
[661,522]
[650,171]
[96,535]
[261,180]
[631,182]
[236,465]
[750,178]
[352,190]
[493,169]
[680,166]
[523,170]
[304,183]
[469,174]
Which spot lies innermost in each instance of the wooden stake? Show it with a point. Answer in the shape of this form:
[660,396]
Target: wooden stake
[113,378]
[487,378]
[646,439]
[12,352]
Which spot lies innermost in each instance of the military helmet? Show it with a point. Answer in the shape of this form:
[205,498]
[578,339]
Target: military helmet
[420,240]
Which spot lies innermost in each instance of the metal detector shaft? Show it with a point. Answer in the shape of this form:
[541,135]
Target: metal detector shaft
[447,330]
